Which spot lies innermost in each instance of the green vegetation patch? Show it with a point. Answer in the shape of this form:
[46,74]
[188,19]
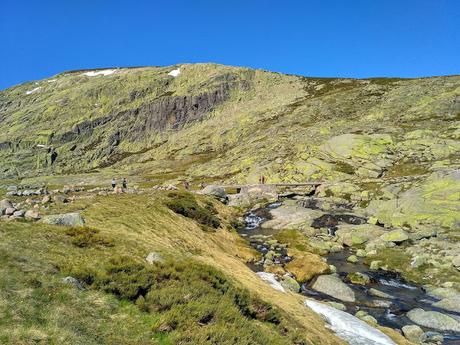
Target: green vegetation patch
[186,205]
[295,239]
[86,237]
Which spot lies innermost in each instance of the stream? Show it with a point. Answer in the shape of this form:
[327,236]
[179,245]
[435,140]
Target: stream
[389,312]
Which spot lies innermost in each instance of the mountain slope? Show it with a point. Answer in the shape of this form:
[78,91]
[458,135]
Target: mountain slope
[218,122]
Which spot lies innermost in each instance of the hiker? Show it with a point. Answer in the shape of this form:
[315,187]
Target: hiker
[263,179]
[124,183]
[114,183]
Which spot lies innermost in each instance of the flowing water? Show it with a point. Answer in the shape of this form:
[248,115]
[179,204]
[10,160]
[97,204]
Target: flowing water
[390,312]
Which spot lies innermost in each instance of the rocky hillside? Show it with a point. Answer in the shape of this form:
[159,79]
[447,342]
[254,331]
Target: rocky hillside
[214,122]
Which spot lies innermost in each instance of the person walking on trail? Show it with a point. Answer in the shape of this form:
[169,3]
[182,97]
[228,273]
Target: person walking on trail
[114,183]
[263,179]
[186,185]
[124,183]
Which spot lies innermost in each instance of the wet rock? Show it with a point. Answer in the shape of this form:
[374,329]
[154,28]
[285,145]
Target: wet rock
[332,285]
[451,304]
[362,315]
[353,259]
[290,217]
[434,319]
[305,266]
[413,333]
[67,219]
[378,293]
[434,338]
[338,306]
[395,236]
[290,284]
[358,278]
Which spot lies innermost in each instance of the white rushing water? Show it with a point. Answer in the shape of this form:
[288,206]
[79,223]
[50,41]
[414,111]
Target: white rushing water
[270,279]
[348,327]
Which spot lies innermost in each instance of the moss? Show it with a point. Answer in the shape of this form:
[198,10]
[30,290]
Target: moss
[86,237]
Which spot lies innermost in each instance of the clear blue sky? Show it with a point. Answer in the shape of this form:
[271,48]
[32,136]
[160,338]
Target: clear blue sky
[348,38]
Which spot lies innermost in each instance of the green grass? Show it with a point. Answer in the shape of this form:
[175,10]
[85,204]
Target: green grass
[125,300]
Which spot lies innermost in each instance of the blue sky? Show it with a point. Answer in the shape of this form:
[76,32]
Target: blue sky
[345,38]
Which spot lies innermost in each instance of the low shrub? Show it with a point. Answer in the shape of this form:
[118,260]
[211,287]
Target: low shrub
[88,237]
[186,205]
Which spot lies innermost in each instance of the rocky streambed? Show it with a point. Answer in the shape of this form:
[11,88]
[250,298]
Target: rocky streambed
[339,277]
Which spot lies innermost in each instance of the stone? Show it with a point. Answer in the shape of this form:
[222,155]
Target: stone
[434,319]
[305,266]
[216,192]
[154,257]
[73,281]
[355,235]
[5,203]
[358,278]
[9,211]
[413,333]
[432,338]
[361,253]
[290,284]
[32,214]
[19,214]
[332,285]
[378,293]
[396,236]
[451,304]
[338,306]
[353,259]
[46,199]
[375,265]
[362,315]
[456,261]
[66,219]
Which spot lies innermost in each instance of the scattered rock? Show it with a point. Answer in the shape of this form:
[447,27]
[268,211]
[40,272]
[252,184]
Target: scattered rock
[19,214]
[451,304]
[456,261]
[361,253]
[413,333]
[434,319]
[154,257]
[67,219]
[378,293]
[5,203]
[290,284]
[216,192]
[358,278]
[9,211]
[32,214]
[338,306]
[353,259]
[332,285]
[305,266]
[395,236]
[375,265]
[73,281]
[362,315]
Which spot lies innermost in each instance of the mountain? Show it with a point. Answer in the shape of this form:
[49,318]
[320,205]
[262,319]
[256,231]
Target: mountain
[213,122]
[376,235]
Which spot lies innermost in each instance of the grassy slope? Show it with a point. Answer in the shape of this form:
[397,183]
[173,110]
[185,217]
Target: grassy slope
[35,304]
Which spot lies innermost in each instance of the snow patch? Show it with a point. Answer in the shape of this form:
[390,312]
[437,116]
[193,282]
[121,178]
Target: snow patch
[51,80]
[96,73]
[270,279]
[33,90]
[348,327]
[174,73]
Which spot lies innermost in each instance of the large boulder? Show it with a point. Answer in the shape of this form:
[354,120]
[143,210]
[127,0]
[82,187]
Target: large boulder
[216,192]
[290,217]
[452,304]
[434,319]
[355,235]
[305,266]
[32,214]
[413,333]
[66,219]
[395,236]
[332,285]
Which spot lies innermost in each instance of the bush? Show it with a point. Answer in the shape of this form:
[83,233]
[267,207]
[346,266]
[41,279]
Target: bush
[185,204]
[88,237]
